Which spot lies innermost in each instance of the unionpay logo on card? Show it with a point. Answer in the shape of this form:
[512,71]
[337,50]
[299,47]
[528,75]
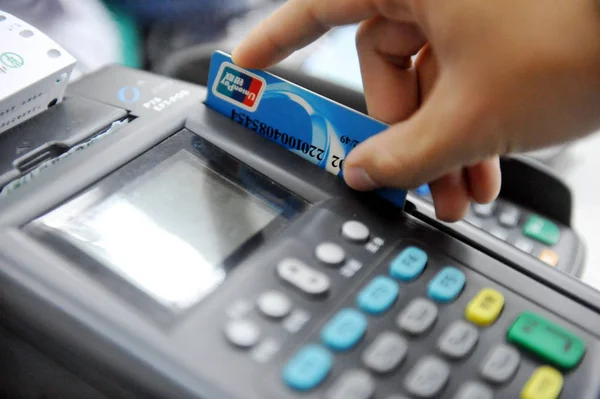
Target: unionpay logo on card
[309,125]
[238,87]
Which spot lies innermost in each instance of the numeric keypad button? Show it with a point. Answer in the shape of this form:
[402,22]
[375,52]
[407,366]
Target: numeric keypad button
[386,353]
[353,384]
[501,364]
[308,368]
[344,330]
[474,390]
[427,378]
[378,296]
[458,340]
[418,316]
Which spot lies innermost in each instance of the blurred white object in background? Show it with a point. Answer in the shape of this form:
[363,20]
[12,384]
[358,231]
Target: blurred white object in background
[83,27]
[35,71]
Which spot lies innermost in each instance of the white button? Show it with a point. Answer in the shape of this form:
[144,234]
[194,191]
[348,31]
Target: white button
[355,231]
[242,333]
[509,217]
[303,277]
[484,210]
[330,253]
[274,304]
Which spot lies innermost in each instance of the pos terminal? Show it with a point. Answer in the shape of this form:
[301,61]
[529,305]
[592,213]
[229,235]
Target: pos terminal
[156,249]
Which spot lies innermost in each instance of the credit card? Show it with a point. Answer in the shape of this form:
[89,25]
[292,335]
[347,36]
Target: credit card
[311,126]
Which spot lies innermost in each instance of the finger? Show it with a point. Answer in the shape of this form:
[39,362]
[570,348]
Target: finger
[451,196]
[384,49]
[440,137]
[484,180]
[427,71]
[300,22]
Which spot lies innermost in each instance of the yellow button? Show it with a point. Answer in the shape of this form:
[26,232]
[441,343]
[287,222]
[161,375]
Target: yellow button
[485,308]
[548,256]
[545,383]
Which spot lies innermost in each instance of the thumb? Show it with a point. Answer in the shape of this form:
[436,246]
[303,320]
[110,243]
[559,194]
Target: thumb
[439,138]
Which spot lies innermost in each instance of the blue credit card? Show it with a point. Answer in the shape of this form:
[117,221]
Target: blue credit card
[307,124]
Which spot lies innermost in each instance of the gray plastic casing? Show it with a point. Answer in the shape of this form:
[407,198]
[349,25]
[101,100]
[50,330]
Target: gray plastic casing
[45,293]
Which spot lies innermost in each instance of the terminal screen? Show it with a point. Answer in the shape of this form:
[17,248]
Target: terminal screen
[169,231]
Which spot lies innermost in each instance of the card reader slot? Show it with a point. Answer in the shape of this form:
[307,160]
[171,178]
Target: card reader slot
[35,158]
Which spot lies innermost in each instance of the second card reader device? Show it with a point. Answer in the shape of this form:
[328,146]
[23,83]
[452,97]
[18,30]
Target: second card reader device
[172,253]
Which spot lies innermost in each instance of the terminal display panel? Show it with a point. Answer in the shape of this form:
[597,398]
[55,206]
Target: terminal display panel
[173,225]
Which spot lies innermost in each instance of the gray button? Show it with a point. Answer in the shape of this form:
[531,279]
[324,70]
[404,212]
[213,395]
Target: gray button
[355,231]
[353,384]
[242,333]
[427,378]
[524,245]
[499,232]
[330,253]
[274,304]
[398,397]
[474,390]
[418,316]
[385,353]
[303,277]
[484,210]
[509,216]
[458,340]
[501,364]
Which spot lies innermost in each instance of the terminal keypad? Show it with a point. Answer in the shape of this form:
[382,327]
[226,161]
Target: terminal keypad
[413,324]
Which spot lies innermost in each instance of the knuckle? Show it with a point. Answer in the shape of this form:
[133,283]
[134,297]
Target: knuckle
[319,25]
[393,8]
[364,35]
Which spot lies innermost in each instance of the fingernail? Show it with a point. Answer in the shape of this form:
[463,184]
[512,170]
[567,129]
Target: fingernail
[359,179]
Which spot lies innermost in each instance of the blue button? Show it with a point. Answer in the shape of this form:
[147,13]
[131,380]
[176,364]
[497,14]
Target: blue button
[344,330]
[409,264]
[308,368]
[378,296]
[447,285]
[423,191]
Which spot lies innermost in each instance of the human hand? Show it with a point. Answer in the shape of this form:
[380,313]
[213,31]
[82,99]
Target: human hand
[491,78]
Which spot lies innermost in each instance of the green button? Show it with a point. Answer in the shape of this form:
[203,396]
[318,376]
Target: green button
[550,342]
[542,230]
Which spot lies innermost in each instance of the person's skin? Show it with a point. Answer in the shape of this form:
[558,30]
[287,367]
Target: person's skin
[491,78]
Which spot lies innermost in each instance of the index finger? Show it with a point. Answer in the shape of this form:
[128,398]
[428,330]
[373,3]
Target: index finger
[299,22]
